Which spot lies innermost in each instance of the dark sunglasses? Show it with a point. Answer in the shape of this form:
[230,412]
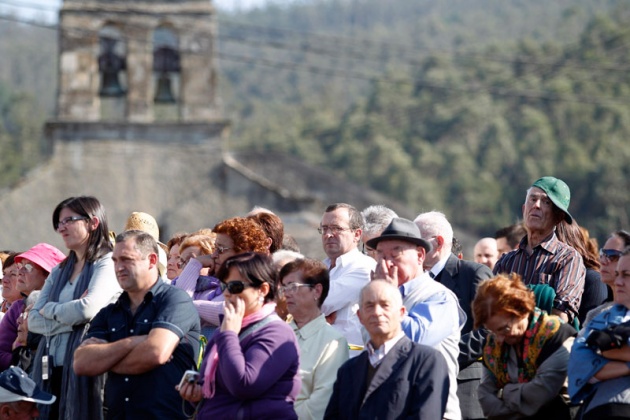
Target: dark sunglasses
[610,254]
[235,287]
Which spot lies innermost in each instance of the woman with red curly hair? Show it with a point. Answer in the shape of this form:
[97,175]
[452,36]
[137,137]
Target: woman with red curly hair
[233,236]
[526,353]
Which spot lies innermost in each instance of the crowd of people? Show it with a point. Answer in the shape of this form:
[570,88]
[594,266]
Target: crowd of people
[233,322]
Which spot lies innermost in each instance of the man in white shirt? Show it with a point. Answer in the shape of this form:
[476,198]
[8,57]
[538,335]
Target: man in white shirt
[341,227]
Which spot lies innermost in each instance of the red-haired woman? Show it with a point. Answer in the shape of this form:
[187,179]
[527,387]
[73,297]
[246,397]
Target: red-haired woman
[526,354]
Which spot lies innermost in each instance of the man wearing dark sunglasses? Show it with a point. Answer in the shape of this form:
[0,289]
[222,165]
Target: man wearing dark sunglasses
[541,258]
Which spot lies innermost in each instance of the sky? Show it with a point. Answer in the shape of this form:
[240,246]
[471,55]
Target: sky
[48,9]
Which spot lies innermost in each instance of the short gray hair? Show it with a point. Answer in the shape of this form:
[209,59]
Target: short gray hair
[434,223]
[376,218]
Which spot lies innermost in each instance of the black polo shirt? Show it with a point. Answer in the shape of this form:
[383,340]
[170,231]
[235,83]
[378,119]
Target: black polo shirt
[150,395]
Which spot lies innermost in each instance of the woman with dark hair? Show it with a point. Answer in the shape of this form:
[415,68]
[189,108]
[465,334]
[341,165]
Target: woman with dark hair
[251,370]
[595,292]
[525,356]
[305,284]
[608,257]
[74,292]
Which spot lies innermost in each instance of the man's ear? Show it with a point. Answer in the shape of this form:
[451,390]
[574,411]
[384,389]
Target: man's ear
[357,235]
[403,311]
[153,259]
[440,241]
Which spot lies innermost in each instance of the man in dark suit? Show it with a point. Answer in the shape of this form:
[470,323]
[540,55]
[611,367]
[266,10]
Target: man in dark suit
[462,277]
[395,377]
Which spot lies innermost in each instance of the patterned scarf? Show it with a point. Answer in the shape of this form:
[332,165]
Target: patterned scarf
[210,372]
[495,355]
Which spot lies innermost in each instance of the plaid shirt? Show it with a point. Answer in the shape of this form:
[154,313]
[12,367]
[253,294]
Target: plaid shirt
[551,262]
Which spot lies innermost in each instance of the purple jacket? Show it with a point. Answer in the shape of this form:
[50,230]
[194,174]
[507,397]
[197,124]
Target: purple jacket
[257,378]
[8,333]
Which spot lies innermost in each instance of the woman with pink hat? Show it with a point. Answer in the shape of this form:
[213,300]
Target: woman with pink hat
[33,266]
[74,292]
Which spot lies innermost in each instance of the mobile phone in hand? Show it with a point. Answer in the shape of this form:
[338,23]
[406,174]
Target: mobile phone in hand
[190,376]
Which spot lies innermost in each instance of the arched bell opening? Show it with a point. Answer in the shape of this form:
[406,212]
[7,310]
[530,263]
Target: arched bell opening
[166,73]
[112,67]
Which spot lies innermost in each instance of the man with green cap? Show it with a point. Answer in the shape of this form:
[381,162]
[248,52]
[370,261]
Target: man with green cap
[540,257]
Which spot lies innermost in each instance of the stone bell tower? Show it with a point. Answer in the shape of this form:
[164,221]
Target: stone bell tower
[137,61]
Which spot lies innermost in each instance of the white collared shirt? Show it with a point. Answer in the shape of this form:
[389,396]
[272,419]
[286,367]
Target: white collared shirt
[376,356]
[438,267]
[351,272]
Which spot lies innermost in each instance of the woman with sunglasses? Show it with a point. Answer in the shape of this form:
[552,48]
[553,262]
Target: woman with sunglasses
[74,292]
[525,355]
[305,284]
[233,236]
[599,368]
[251,367]
[608,258]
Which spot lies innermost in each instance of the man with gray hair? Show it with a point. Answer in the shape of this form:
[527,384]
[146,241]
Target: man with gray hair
[462,277]
[540,257]
[375,220]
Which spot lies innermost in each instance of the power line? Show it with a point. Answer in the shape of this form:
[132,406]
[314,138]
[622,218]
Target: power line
[495,90]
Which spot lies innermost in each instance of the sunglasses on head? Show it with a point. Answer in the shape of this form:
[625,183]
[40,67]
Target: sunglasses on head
[609,254]
[235,287]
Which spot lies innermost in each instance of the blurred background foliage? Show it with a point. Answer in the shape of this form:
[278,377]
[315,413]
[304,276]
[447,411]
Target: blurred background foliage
[457,105]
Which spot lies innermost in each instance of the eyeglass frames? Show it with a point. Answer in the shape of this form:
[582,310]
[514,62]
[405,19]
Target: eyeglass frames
[70,220]
[292,287]
[611,255]
[235,287]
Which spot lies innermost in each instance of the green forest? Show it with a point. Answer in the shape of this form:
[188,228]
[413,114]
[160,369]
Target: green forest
[457,105]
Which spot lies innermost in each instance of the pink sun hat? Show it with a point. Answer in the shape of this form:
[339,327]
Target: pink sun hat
[44,255]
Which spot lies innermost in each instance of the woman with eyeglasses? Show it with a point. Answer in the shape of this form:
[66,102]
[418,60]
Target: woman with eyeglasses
[33,266]
[233,236]
[251,367]
[10,293]
[525,355]
[173,269]
[74,292]
[204,288]
[599,368]
[304,283]
[608,258]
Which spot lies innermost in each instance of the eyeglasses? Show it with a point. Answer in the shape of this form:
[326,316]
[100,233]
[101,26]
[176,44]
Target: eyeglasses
[292,287]
[221,249]
[611,255]
[28,267]
[334,230]
[70,220]
[235,287]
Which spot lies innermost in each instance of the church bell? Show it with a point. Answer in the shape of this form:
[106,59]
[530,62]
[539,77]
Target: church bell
[163,93]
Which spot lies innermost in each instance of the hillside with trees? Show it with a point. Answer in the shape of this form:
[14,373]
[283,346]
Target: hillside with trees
[455,105]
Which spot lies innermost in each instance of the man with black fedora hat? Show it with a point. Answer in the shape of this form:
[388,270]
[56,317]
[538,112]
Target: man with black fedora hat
[19,394]
[434,317]
[541,258]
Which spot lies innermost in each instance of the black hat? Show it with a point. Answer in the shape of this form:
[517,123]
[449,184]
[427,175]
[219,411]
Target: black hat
[15,385]
[402,230]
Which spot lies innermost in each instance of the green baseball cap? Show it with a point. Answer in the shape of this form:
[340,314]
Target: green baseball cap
[558,192]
